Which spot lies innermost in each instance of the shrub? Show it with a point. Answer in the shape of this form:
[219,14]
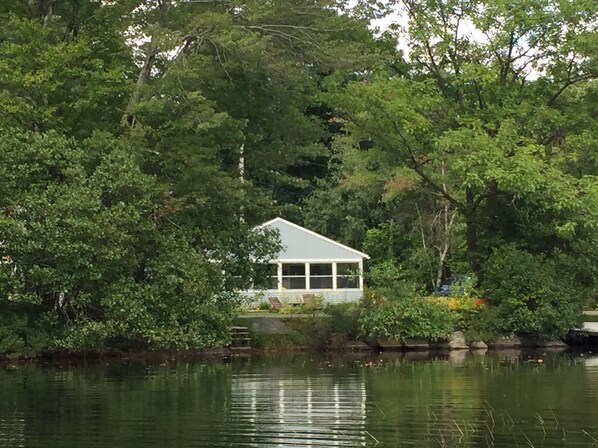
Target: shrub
[19,337]
[264,306]
[389,274]
[459,304]
[344,319]
[479,324]
[295,309]
[530,296]
[408,318]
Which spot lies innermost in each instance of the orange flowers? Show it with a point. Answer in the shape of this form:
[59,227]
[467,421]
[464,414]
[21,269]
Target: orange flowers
[459,303]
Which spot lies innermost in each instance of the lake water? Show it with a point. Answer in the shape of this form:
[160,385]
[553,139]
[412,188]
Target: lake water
[393,400]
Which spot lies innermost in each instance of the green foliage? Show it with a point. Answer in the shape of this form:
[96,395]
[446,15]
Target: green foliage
[530,294]
[278,342]
[402,318]
[20,334]
[466,286]
[294,309]
[344,319]
[264,306]
[471,143]
[123,219]
[67,74]
[92,250]
[480,324]
[303,308]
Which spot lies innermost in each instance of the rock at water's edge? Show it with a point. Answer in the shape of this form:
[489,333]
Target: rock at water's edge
[268,325]
[358,346]
[416,344]
[457,341]
[390,344]
[507,341]
[478,345]
[540,343]
[557,343]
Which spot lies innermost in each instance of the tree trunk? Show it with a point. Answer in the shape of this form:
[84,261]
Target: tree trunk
[471,233]
[146,70]
[448,218]
[48,14]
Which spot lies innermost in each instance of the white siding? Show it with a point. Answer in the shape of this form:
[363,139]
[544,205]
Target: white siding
[302,244]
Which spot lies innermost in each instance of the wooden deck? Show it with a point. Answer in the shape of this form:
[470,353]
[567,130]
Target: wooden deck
[589,328]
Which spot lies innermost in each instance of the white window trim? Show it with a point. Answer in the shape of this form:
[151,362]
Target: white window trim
[281,288]
[360,267]
[331,276]
[307,274]
[279,274]
[334,282]
[361,275]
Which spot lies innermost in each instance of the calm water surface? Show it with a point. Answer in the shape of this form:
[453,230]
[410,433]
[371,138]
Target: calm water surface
[506,400]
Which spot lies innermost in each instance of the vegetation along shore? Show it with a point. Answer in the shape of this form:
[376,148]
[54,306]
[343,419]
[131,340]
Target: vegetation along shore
[141,143]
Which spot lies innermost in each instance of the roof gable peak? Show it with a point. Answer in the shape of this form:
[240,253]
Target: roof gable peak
[311,232]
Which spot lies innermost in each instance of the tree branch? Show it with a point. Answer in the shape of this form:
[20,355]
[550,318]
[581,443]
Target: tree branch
[146,69]
[569,83]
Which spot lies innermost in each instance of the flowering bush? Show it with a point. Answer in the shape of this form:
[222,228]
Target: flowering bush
[459,303]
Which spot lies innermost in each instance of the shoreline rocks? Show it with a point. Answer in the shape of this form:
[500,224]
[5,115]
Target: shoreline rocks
[457,341]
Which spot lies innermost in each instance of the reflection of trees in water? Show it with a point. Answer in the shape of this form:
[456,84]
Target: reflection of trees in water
[289,411]
[12,431]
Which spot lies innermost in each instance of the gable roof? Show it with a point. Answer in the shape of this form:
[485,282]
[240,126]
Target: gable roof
[300,243]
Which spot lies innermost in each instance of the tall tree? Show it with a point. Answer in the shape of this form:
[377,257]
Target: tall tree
[64,65]
[258,67]
[483,114]
[123,125]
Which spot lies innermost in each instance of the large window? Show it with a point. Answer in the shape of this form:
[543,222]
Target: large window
[293,276]
[320,276]
[347,275]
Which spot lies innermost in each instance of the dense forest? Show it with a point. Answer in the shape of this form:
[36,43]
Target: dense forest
[141,141]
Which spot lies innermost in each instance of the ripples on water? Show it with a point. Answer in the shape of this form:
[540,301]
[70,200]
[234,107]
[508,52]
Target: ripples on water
[298,401]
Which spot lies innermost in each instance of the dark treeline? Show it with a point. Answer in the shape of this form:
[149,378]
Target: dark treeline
[142,140]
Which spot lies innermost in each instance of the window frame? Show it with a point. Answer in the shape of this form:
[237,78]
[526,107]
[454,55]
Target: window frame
[284,276]
[313,277]
[356,276]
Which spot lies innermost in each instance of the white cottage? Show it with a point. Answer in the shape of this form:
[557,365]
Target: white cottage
[311,264]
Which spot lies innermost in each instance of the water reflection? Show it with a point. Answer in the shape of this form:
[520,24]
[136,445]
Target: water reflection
[12,430]
[286,411]
[504,399]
